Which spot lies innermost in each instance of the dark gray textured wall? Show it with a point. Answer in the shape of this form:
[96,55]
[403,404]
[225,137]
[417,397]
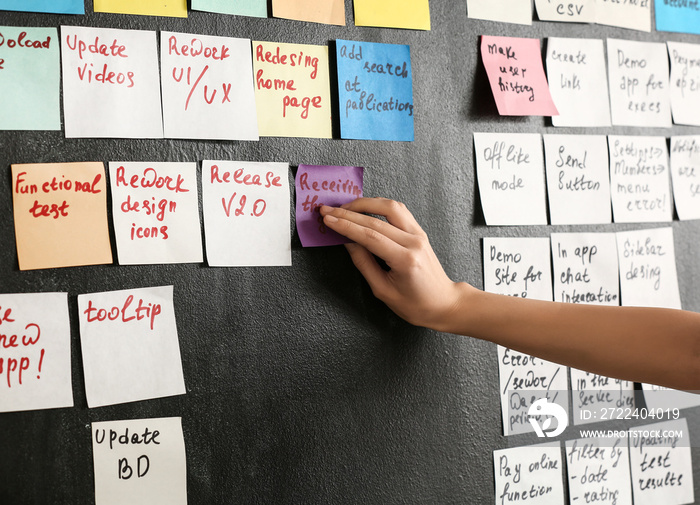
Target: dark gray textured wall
[301,387]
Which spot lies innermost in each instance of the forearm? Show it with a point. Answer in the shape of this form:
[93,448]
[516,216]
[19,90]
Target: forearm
[658,346]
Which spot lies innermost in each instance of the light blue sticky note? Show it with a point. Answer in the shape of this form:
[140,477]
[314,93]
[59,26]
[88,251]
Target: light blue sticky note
[678,16]
[29,79]
[50,6]
[375,91]
[254,8]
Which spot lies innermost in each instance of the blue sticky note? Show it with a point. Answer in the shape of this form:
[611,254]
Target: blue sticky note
[29,79]
[50,6]
[375,91]
[678,16]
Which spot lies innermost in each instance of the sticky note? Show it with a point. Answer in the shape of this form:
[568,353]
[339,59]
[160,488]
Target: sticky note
[330,12]
[598,470]
[155,210]
[535,471]
[130,345]
[505,11]
[29,79]
[171,8]
[409,14]
[516,75]
[648,275]
[521,267]
[60,212]
[111,83]
[578,82]
[35,356]
[48,6]
[685,82]
[639,83]
[292,90]
[661,464]
[323,185]
[639,180]
[578,179]
[246,213]
[579,11]
[206,82]
[253,8]
[139,461]
[685,174]
[632,15]
[510,172]
[677,16]
[375,91]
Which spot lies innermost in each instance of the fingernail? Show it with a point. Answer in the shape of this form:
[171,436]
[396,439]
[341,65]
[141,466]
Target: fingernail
[331,219]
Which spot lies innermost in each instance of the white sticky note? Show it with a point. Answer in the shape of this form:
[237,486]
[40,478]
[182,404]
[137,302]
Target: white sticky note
[578,82]
[155,210]
[111,84]
[578,179]
[207,87]
[685,175]
[598,471]
[246,213]
[685,82]
[639,83]
[505,11]
[661,464]
[139,462]
[533,471]
[130,346]
[510,171]
[35,357]
[633,15]
[648,275]
[640,187]
[520,267]
[579,11]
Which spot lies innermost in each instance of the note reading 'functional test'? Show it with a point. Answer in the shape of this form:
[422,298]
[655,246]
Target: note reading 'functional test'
[578,179]
[29,79]
[578,82]
[207,87]
[60,213]
[516,74]
[292,90]
[375,90]
[510,171]
[139,461]
[35,357]
[111,84]
[155,210]
[323,185]
[246,213]
[130,346]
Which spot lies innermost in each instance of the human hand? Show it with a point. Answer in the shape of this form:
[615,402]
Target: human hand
[416,286]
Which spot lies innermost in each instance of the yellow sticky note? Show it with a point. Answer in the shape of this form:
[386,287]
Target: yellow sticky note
[171,8]
[411,14]
[292,90]
[60,212]
[330,12]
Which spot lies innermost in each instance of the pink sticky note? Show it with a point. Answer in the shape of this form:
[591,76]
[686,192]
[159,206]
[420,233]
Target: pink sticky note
[516,74]
[318,185]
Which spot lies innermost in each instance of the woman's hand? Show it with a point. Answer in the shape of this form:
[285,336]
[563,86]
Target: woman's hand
[416,286]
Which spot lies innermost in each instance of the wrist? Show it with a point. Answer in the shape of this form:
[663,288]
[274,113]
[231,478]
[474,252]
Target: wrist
[458,312]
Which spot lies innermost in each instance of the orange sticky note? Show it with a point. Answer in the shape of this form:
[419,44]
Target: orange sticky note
[60,215]
[331,12]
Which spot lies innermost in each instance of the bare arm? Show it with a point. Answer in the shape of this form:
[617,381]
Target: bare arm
[658,346]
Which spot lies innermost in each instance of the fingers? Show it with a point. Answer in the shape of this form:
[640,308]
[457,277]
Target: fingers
[382,227]
[395,212]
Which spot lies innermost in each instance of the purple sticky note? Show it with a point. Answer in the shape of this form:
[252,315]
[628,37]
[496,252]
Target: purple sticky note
[318,185]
